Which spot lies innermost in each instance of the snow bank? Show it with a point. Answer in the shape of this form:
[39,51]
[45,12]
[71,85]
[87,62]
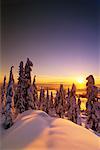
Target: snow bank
[35,130]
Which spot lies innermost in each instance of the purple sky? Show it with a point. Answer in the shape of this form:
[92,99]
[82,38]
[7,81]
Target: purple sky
[61,38]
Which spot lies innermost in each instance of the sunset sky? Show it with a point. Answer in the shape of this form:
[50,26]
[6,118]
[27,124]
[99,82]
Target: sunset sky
[61,38]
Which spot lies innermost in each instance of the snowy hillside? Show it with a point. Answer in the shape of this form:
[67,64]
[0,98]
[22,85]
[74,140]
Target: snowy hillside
[36,130]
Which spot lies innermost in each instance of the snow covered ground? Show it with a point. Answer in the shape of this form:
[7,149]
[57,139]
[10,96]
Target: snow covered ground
[36,130]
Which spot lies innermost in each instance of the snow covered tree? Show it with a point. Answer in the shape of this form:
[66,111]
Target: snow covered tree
[73,111]
[78,117]
[56,101]
[35,94]
[72,104]
[47,101]
[68,100]
[19,106]
[92,104]
[28,70]
[3,97]
[29,101]
[91,92]
[79,103]
[19,98]
[42,102]
[23,98]
[60,101]
[29,98]
[21,73]
[96,116]
[93,118]
[60,110]
[9,102]
[51,109]
[51,100]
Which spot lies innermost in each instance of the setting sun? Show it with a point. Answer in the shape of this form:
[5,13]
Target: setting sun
[80,80]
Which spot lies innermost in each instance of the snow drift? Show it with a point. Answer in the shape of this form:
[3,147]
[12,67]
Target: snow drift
[35,130]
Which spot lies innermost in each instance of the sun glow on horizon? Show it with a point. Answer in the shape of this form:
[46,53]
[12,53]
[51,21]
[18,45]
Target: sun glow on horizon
[80,80]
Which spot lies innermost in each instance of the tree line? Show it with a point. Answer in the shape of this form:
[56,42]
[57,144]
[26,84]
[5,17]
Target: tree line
[24,97]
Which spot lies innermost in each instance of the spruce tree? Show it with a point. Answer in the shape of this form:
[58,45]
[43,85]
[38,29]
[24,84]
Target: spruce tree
[19,98]
[51,105]
[29,101]
[78,116]
[73,111]
[51,101]
[56,102]
[73,104]
[60,101]
[47,101]
[28,70]
[79,102]
[68,100]
[92,106]
[35,94]
[3,97]
[42,102]
[9,102]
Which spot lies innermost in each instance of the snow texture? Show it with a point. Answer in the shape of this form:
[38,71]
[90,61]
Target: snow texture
[36,130]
